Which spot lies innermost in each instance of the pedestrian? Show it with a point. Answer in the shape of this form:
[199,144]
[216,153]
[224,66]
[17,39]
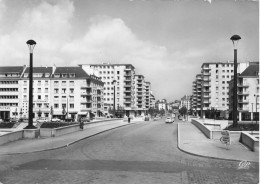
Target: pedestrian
[81,124]
[129,119]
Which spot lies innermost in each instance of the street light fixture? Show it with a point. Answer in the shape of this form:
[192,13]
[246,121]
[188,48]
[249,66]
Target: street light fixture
[235,39]
[31,44]
[255,108]
[114,108]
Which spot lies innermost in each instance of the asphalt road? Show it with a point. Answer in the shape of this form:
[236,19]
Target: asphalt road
[140,153]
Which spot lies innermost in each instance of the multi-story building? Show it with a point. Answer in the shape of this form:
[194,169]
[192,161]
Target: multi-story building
[57,91]
[212,86]
[247,94]
[129,88]
[162,104]
[147,95]
[186,102]
[152,101]
[10,91]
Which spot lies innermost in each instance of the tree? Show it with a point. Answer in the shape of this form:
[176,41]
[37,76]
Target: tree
[51,112]
[63,112]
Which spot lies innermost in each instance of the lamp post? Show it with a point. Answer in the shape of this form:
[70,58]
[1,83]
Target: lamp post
[31,44]
[235,39]
[255,108]
[114,108]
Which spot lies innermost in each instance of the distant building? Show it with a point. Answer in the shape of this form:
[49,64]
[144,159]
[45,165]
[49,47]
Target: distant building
[132,91]
[248,94]
[186,102]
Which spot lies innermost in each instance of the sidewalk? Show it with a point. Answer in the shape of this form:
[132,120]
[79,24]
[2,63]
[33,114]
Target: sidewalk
[193,141]
[43,144]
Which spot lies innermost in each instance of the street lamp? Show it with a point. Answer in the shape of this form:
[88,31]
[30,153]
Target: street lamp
[31,44]
[235,39]
[255,108]
[114,108]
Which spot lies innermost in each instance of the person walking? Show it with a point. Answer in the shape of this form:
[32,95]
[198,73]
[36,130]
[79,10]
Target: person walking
[129,119]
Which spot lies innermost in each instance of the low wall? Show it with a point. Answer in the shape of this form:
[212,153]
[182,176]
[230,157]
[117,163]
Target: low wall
[250,141]
[53,132]
[12,136]
[202,128]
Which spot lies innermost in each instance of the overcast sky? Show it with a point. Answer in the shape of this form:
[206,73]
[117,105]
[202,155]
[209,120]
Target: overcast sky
[166,40]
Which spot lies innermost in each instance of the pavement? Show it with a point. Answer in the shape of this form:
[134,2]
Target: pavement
[190,140]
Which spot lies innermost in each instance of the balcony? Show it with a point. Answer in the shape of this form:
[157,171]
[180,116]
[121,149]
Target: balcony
[82,100]
[86,93]
[206,73]
[127,102]
[242,84]
[206,101]
[243,109]
[206,84]
[127,96]
[243,93]
[85,86]
[206,67]
[243,101]
[127,75]
[128,69]
[206,95]
[206,79]
[128,79]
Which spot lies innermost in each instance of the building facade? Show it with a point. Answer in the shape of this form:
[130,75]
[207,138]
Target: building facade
[62,92]
[247,94]
[130,89]
[211,89]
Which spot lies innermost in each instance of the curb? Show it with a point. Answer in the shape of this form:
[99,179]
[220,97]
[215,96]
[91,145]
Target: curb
[203,156]
[66,145]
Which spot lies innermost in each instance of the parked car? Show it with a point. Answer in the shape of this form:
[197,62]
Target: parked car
[14,120]
[55,120]
[169,120]
[85,119]
[42,120]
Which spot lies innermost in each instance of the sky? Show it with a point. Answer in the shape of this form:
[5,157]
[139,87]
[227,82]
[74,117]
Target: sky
[165,40]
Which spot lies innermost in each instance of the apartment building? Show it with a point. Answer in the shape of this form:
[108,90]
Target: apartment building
[57,92]
[213,86]
[152,101]
[147,95]
[247,94]
[10,91]
[129,88]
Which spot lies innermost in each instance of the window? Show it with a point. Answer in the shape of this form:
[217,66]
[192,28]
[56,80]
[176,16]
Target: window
[216,71]
[39,90]
[71,90]
[46,90]
[39,83]
[63,83]
[63,90]
[217,88]
[25,90]
[118,72]
[71,83]
[216,76]
[216,65]
[56,90]
[63,105]
[71,106]
[46,97]
[223,82]
[39,97]
[56,83]
[56,106]
[46,83]
[223,71]
[223,76]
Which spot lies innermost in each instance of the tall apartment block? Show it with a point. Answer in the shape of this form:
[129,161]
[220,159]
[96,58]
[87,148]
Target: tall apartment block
[212,90]
[129,88]
[57,92]
[247,94]
[196,95]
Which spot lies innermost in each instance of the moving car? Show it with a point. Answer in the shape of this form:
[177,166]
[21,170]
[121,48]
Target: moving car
[169,120]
